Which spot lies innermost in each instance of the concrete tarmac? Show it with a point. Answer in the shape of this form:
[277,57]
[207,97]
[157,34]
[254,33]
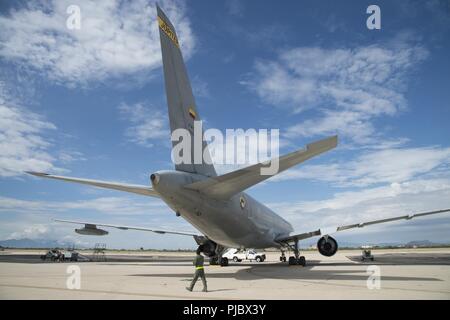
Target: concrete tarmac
[404,274]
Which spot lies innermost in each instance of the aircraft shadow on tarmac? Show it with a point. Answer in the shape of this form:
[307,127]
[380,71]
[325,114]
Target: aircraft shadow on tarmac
[400,259]
[283,271]
[403,259]
[250,271]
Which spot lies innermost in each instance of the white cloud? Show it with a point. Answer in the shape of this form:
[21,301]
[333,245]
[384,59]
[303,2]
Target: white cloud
[345,91]
[33,219]
[375,167]
[67,156]
[116,38]
[35,231]
[347,88]
[369,204]
[200,88]
[23,139]
[147,124]
[107,205]
[40,227]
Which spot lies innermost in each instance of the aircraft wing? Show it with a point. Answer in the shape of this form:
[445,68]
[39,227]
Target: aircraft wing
[133,188]
[90,228]
[327,231]
[227,185]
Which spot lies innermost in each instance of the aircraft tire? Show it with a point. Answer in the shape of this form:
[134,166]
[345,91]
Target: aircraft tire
[302,261]
[224,262]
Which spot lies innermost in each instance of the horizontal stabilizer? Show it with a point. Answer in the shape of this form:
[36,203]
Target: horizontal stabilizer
[133,188]
[227,185]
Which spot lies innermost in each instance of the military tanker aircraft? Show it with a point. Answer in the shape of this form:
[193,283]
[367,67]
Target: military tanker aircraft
[216,204]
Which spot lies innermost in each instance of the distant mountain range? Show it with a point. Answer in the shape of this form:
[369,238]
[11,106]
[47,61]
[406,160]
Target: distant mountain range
[34,243]
[421,243]
[45,243]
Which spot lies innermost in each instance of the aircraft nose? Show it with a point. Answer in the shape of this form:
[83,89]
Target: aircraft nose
[155,178]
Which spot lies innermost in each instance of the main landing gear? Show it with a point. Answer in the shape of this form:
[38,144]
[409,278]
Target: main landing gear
[297,259]
[283,256]
[215,254]
[214,261]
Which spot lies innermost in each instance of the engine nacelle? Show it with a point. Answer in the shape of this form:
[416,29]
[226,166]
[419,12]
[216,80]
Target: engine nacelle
[327,246]
[209,248]
[91,231]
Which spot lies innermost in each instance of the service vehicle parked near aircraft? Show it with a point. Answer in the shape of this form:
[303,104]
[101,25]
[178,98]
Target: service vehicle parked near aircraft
[52,255]
[60,255]
[367,255]
[239,255]
[70,255]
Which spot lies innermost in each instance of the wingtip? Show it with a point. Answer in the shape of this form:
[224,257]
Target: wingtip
[326,143]
[333,140]
[37,174]
[336,139]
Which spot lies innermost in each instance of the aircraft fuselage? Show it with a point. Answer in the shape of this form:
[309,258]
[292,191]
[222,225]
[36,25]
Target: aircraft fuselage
[240,222]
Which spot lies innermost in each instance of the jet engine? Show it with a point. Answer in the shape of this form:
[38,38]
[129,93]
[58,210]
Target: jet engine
[91,230]
[327,246]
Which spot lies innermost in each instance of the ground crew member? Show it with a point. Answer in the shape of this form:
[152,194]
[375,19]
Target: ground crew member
[199,271]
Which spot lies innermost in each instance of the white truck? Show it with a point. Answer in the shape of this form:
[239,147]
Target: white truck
[239,255]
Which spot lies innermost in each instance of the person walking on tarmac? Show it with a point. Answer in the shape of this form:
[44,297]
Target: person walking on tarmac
[199,271]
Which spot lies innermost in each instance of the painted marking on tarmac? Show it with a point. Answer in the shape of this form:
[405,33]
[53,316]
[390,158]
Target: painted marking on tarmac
[202,297]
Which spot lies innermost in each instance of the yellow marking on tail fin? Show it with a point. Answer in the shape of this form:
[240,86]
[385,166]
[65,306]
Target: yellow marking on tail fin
[168,31]
[192,113]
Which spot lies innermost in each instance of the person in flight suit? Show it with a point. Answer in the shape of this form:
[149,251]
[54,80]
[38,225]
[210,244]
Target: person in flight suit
[199,271]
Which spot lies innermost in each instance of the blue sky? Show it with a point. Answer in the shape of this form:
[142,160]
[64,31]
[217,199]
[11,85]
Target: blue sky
[91,103]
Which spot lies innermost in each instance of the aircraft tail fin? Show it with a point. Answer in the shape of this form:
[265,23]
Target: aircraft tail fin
[181,103]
